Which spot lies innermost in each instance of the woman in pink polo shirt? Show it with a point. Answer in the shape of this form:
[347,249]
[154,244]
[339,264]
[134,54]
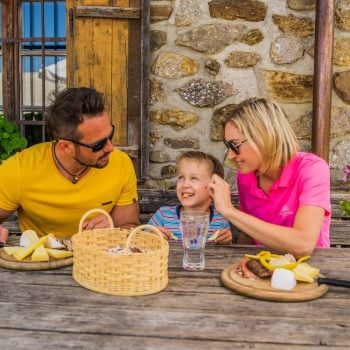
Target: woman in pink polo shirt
[284,194]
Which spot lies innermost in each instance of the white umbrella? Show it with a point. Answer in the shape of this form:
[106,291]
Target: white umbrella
[55,72]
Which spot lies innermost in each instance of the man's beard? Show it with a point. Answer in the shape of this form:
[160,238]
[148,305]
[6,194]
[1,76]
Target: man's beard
[90,165]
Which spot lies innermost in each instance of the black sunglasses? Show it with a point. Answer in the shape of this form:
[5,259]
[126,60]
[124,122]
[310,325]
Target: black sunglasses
[233,146]
[97,146]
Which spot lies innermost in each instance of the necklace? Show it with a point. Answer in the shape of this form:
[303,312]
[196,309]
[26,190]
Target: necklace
[76,177]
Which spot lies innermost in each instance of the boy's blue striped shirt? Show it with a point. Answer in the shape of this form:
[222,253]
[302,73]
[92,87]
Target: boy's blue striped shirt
[169,217]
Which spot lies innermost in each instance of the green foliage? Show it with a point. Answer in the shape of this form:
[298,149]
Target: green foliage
[345,207]
[11,140]
[345,204]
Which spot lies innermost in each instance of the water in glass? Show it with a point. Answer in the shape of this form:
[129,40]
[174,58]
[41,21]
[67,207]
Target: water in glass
[194,228]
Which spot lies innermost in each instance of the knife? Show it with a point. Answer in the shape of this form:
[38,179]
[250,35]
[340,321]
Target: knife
[333,282]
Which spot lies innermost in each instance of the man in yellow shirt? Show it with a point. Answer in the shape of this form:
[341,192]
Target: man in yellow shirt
[52,184]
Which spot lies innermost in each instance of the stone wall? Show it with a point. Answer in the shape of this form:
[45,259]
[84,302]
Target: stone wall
[209,55]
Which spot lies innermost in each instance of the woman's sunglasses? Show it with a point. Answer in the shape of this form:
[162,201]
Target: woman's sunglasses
[97,146]
[233,146]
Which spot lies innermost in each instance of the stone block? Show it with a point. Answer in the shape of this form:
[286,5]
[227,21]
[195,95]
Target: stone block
[176,118]
[202,93]
[298,26]
[249,10]
[211,38]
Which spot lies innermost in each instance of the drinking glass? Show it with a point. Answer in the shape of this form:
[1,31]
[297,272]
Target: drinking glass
[194,229]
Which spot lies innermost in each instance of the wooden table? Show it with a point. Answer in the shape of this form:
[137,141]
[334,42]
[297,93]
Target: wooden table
[48,309]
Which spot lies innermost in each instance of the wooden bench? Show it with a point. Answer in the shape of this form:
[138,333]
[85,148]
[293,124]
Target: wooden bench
[150,200]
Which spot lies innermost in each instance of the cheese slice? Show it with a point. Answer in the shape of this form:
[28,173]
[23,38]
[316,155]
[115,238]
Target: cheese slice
[28,237]
[214,236]
[277,262]
[59,254]
[305,273]
[40,254]
[12,250]
[53,242]
[20,255]
[173,237]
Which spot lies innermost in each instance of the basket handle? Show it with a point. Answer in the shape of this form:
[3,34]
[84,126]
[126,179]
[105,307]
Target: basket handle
[96,210]
[141,227]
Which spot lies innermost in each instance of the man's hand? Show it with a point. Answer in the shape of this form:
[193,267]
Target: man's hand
[4,233]
[126,216]
[99,221]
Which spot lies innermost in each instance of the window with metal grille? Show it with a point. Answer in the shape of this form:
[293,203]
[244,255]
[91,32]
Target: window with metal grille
[33,56]
[34,48]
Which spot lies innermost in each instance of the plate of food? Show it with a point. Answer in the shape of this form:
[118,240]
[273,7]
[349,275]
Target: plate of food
[274,277]
[34,253]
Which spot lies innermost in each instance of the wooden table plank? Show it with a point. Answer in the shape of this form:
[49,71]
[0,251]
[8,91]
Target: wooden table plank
[195,311]
[19,340]
[187,324]
[335,305]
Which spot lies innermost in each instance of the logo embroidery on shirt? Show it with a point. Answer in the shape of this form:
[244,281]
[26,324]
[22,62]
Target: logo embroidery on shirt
[285,211]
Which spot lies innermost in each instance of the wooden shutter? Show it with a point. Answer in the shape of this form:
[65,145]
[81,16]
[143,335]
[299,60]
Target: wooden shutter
[107,48]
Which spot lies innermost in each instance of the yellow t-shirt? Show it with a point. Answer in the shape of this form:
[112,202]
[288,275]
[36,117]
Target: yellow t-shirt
[47,202]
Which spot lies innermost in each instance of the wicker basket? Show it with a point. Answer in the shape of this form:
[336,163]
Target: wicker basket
[125,274]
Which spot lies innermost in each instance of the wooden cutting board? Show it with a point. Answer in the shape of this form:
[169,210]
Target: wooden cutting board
[9,262]
[261,289]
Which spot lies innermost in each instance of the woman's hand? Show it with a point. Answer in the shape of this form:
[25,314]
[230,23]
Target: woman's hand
[220,191]
[224,237]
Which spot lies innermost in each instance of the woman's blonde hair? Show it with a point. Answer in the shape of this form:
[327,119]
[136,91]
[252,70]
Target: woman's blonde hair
[267,130]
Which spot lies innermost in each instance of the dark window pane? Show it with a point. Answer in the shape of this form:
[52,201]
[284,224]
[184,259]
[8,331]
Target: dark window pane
[33,134]
[32,116]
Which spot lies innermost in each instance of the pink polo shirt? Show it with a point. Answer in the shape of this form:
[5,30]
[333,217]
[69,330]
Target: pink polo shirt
[305,180]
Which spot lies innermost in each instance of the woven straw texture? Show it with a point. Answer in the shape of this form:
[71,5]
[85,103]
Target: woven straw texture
[126,273]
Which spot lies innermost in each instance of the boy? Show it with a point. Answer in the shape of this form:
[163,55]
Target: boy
[194,172]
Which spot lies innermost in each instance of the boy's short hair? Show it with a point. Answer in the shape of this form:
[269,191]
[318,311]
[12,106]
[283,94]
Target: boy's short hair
[215,165]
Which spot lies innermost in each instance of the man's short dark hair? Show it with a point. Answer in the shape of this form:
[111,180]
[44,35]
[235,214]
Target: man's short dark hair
[68,110]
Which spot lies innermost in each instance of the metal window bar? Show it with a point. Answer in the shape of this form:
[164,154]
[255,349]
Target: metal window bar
[48,46]
[27,49]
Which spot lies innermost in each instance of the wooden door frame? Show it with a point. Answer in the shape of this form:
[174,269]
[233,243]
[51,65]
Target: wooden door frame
[132,12]
[323,80]
[145,57]
[9,47]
